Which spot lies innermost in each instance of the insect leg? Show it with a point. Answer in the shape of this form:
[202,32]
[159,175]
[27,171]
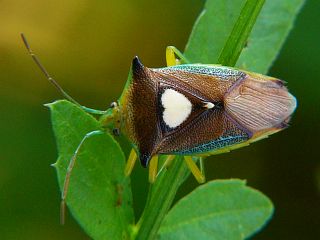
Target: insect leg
[153,169]
[54,82]
[171,53]
[130,163]
[69,170]
[194,169]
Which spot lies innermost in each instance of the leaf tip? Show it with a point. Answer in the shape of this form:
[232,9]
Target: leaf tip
[47,105]
[50,105]
[54,165]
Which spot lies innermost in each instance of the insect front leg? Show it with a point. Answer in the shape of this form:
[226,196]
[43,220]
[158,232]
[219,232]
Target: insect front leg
[69,170]
[198,174]
[171,53]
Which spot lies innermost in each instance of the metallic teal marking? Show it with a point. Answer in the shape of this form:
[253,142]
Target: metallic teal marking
[225,73]
[214,145]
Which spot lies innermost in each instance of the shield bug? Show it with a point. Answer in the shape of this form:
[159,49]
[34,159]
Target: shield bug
[190,110]
[199,110]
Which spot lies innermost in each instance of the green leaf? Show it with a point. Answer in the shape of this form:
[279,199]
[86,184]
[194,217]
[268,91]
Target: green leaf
[214,25]
[99,195]
[268,35]
[221,209]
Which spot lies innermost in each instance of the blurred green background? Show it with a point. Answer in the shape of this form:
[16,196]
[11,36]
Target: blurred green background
[88,47]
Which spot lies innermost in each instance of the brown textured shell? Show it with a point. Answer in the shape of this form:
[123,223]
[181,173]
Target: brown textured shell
[142,123]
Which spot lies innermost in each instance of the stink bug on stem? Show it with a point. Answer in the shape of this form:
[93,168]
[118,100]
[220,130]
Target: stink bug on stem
[188,109]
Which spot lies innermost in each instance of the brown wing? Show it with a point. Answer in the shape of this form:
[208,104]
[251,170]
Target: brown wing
[259,103]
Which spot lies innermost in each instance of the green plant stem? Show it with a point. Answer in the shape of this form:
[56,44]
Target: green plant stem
[240,33]
[160,198]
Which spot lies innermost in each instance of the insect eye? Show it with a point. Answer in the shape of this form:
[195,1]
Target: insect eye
[113,105]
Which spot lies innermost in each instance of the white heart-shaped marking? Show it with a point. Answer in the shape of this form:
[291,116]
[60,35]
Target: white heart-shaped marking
[176,106]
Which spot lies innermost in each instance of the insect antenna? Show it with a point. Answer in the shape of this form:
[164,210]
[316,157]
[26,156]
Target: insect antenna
[45,72]
[53,81]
